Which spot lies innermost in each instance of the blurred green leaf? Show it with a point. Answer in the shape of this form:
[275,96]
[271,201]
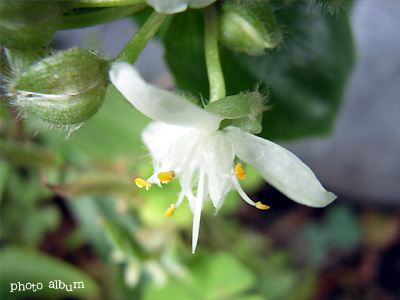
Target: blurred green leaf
[342,227]
[26,214]
[338,231]
[24,265]
[218,277]
[90,211]
[96,183]
[124,240]
[305,77]
[26,154]
[5,170]
[252,297]
[42,221]
[278,284]
[172,290]
[212,276]
[305,285]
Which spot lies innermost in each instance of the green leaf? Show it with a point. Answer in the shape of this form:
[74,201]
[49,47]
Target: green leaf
[172,290]
[26,154]
[277,285]
[43,220]
[96,183]
[338,231]
[305,77]
[90,211]
[28,24]
[217,276]
[123,240]
[5,170]
[212,276]
[251,297]
[342,227]
[24,265]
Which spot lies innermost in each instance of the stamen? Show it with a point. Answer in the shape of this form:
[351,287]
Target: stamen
[241,192]
[259,205]
[142,183]
[166,177]
[170,210]
[240,172]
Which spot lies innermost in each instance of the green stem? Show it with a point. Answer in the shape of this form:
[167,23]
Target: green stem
[214,70]
[79,18]
[101,3]
[132,50]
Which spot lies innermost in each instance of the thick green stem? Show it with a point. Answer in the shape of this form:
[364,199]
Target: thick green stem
[214,70]
[79,18]
[132,50]
[100,3]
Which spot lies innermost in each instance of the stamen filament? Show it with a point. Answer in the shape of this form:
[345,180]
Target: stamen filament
[180,199]
[241,192]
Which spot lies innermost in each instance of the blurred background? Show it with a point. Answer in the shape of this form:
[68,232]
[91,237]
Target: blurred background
[118,242]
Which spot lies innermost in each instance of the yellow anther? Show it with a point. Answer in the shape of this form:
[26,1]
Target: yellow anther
[240,172]
[166,177]
[259,205]
[142,183]
[170,210]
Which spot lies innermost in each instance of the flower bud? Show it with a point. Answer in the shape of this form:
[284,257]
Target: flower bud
[249,28]
[26,24]
[64,89]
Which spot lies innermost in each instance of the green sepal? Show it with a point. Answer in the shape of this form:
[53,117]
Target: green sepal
[246,124]
[64,89]
[243,110]
[231,107]
[26,24]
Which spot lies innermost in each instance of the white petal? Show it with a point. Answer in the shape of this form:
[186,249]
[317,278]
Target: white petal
[281,168]
[158,104]
[200,3]
[174,148]
[218,156]
[197,210]
[168,6]
[171,147]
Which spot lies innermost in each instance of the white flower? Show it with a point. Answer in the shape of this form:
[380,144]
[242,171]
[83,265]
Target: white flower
[185,143]
[175,6]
